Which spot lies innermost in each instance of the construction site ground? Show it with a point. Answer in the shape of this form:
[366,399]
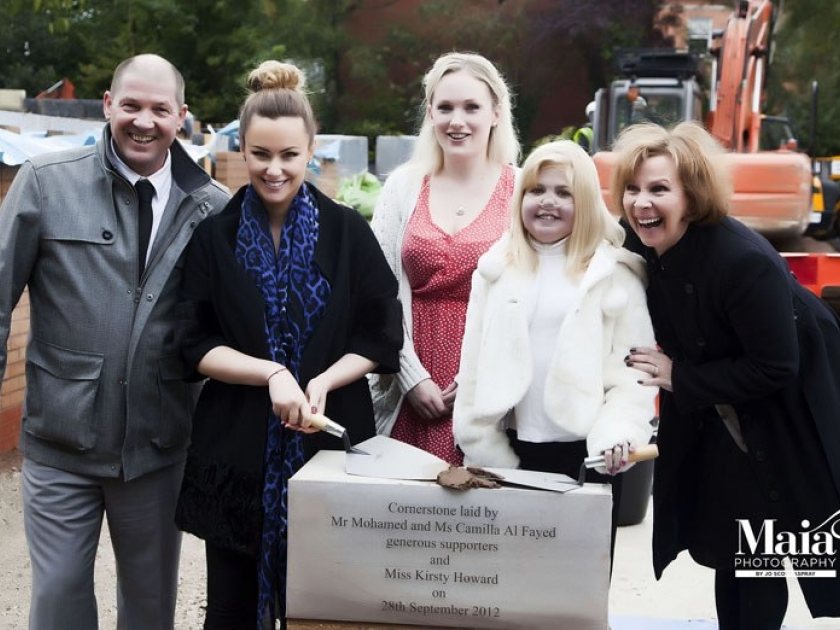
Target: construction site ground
[682,600]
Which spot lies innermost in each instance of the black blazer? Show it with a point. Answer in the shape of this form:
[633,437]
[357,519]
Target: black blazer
[220,305]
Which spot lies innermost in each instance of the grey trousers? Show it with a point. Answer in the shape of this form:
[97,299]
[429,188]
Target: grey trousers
[63,514]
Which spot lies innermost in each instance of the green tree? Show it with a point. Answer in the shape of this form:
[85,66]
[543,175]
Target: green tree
[214,44]
[593,31]
[383,100]
[211,44]
[806,50]
[35,53]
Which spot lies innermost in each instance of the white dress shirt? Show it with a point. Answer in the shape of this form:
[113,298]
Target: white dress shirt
[161,180]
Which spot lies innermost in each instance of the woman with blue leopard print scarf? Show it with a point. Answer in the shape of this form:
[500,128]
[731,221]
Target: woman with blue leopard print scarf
[287,303]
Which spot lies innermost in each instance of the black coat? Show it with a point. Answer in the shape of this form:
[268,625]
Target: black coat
[742,331]
[220,305]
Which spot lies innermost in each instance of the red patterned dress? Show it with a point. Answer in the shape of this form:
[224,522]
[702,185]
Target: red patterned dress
[439,267]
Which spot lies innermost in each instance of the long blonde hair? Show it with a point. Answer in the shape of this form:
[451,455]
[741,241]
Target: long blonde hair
[593,223]
[503,145]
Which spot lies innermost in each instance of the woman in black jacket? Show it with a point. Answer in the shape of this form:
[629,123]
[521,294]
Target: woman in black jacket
[749,381]
[287,302]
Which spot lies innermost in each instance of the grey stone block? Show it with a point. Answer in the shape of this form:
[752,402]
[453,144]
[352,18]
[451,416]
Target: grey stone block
[352,155]
[391,151]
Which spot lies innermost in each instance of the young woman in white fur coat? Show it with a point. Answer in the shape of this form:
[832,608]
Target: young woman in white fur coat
[555,307]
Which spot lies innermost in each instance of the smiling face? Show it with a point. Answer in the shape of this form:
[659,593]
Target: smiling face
[462,114]
[276,154]
[656,205]
[548,207]
[144,115]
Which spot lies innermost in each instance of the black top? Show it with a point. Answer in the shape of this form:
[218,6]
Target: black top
[220,305]
[741,331]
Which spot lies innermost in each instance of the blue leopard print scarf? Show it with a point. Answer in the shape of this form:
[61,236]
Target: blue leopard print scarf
[295,295]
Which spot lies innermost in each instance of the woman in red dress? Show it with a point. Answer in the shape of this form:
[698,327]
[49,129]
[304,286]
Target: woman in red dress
[436,216]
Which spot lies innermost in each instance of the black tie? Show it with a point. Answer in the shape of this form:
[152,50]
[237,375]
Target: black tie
[145,192]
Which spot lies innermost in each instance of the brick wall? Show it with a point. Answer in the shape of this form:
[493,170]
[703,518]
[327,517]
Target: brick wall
[7,174]
[14,380]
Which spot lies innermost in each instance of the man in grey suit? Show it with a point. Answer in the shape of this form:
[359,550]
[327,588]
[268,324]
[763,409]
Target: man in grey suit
[107,415]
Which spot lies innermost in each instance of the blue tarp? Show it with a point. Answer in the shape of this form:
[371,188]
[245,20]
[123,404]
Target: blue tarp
[15,148]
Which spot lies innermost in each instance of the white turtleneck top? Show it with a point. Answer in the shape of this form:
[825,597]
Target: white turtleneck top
[549,299]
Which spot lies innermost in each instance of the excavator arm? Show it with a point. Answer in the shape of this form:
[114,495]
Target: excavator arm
[742,51]
[771,189]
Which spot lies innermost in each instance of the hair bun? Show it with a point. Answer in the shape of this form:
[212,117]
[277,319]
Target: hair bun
[275,75]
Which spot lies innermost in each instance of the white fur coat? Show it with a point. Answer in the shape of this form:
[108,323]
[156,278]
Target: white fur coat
[590,391]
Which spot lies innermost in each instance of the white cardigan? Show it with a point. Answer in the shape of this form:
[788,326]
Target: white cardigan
[394,207]
[590,391]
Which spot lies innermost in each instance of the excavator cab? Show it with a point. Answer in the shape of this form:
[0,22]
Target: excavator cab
[661,101]
[776,134]
[659,86]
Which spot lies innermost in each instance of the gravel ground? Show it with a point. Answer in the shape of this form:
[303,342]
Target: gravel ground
[15,576]
[684,595]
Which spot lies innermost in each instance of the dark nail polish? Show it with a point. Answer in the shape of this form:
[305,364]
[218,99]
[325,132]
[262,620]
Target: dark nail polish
[632,350]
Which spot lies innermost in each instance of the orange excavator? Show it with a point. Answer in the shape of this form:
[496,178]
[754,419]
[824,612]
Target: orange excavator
[772,185]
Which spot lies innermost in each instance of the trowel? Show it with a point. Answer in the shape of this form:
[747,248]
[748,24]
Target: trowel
[563,483]
[382,456]
[641,454]
[322,423]
[535,479]
[391,459]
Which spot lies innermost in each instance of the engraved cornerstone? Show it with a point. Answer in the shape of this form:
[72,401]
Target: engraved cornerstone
[412,552]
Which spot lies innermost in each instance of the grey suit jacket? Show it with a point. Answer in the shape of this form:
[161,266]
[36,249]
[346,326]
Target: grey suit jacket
[105,394]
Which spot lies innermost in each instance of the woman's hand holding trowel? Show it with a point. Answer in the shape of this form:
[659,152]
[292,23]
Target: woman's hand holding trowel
[288,402]
[622,458]
[316,393]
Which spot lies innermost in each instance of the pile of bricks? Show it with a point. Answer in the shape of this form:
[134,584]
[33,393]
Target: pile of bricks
[327,180]
[7,174]
[14,380]
[230,170]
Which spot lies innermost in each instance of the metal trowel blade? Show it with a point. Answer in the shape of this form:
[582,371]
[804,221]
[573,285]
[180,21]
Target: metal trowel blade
[391,459]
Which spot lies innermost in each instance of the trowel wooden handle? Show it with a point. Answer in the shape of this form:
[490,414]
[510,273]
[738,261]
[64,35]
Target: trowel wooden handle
[641,454]
[322,423]
[644,453]
[318,421]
